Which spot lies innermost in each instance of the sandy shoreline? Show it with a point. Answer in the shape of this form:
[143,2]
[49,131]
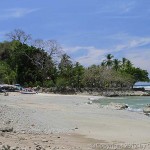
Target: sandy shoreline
[70,117]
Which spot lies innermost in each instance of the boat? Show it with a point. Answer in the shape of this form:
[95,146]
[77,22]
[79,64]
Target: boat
[28,91]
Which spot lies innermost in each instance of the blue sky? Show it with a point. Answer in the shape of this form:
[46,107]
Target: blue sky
[86,29]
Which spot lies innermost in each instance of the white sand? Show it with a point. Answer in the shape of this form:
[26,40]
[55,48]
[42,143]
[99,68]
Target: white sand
[72,114]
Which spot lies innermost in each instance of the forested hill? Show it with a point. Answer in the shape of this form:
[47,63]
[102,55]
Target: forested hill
[43,63]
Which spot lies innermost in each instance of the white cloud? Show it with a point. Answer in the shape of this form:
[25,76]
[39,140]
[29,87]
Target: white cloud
[117,7]
[15,13]
[133,49]
[92,55]
[140,58]
[133,44]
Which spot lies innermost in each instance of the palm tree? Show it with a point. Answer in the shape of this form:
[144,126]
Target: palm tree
[109,60]
[65,62]
[124,61]
[103,64]
[129,64]
[116,64]
[66,68]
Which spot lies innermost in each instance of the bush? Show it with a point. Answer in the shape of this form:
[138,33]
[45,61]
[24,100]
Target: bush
[48,84]
[61,82]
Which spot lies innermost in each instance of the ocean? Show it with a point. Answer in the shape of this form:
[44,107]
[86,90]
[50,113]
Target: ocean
[135,103]
[146,87]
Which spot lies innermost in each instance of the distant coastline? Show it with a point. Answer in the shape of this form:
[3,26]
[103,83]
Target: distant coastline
[137,90]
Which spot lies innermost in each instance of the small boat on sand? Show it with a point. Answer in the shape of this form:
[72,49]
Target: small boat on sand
[28,91]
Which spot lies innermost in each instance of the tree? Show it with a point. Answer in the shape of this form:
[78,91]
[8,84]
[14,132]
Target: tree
[65,63]
[52,47]
[106,79]
[124,60]
[108,62]
[66,68]
[6,74]
[19,35]
[116,64]
[77,76]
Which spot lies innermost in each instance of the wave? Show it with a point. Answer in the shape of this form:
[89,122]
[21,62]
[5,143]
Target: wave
[134,109]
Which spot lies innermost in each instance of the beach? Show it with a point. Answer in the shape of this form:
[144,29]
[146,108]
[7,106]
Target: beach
[55,121]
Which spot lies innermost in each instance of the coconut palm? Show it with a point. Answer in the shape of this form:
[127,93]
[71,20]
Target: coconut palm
[65,62]
[109,61]
[116,64]
[103,64]
[124,60]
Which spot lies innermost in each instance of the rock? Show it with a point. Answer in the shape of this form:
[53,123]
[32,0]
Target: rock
[2,133]
[148,105]
[89,102]
[8,122]
[23,132]
[93,98]
[6,94]
[146,110]
[117,106]
[7,147]
[6,129]
[44,140]
[35,143]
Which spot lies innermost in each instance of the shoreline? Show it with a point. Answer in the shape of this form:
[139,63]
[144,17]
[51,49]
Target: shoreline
[96,92]
[70,117]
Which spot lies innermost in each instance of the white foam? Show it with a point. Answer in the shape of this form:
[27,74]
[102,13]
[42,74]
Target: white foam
[134,109]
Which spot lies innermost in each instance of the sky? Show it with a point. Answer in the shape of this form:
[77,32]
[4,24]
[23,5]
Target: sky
[87,30]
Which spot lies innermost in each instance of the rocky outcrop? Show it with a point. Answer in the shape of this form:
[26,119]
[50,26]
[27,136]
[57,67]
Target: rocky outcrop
[117,106]
[6,129]
[146,110]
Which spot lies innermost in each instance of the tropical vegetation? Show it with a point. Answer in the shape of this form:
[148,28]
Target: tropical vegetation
[43,63]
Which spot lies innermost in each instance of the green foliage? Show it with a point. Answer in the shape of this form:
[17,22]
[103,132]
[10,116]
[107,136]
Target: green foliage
[61,82]
[6,74]
[34,66]
[126,68]
[104,78]
[48,84]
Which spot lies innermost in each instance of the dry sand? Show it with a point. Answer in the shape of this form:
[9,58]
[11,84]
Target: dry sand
[68,122]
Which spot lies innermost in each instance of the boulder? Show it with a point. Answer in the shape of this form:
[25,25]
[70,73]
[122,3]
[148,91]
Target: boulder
[118,106]
[6,129]
[89,102]
[146,110]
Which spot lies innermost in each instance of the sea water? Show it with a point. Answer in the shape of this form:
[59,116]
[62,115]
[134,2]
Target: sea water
[135,103]
[146,87]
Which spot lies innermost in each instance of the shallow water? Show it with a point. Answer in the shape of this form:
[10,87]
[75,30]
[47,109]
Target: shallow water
[135,103]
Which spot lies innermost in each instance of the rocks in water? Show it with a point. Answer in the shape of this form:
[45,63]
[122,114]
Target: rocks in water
[117,106]
[93,98]
[146,110]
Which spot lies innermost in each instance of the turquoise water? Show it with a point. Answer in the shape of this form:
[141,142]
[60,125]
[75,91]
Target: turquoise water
[135,103]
